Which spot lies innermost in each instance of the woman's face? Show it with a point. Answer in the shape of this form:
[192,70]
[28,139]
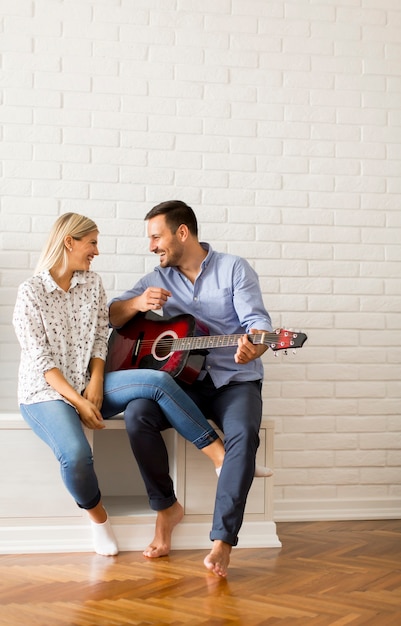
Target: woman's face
[81,252]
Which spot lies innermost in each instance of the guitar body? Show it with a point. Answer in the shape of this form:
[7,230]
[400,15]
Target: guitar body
[145,341]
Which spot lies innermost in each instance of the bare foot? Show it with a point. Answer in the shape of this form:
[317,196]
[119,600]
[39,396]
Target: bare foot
[165,523]
[218,559]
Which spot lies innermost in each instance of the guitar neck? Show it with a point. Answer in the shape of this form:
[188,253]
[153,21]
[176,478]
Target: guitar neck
[220,341]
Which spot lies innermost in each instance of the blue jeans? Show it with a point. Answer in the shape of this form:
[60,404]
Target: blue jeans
[59,426]
[237,409]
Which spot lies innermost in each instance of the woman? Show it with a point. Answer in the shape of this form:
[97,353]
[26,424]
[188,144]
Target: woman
[61,321]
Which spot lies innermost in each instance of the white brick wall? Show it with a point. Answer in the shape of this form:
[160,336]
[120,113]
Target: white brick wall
[279,122]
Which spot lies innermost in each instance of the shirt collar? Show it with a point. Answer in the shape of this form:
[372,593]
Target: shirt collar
[209,249]
[78,278]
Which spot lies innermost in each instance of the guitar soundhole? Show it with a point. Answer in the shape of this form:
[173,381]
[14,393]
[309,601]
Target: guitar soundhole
[163,345]
[163,348]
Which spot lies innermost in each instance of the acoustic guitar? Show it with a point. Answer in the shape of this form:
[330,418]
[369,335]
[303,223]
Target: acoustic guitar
[172,345]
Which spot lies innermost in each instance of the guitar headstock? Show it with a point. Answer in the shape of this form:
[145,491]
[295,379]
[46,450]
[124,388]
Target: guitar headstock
[282,339]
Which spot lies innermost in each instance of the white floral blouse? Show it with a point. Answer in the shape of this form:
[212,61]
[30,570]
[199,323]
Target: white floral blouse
[59,329]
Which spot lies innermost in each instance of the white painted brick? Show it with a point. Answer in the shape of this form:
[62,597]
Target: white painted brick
[61,81]
[59,189]
[56,46]
[255,215]
[256,147]
[332,406]
[29,169]
[232,162]
[126,191]
[370,269]
[118,156]
[300,493]
[340,234]
[142,140]
[302,113]
[92,65]
[170,124]
[91,136]
[94,31]
[61,153]
[393,458]
[91,101]
[350,167]
[361,321]
[341,476]
[35,27]
[60,117]
[349,492]
[202,179]
[16,188]
[91,172]
[29,206]
[147,176]
[210,6]
[14,150]
[279,123]
[19,80]
[176,160]
[297,130]
[308,459]
[112,13]
[31,62]
[238,24]
[33,134]
[380,475]
[362,116]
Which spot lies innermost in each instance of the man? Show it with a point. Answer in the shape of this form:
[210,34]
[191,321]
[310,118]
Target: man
[223,292]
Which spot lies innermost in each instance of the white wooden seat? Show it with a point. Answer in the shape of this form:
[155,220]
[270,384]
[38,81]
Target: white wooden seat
[38,515]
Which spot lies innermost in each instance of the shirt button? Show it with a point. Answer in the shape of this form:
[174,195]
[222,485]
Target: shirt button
[195,299]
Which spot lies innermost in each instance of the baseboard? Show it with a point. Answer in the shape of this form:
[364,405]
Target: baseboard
[130,537]
[332,510]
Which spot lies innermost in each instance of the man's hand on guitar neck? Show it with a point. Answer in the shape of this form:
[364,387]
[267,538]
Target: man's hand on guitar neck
[247,351]
[152,299]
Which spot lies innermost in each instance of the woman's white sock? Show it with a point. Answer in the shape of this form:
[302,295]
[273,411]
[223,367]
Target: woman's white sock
[104,540]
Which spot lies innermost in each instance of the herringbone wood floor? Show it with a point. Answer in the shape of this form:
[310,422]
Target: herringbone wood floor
[326,574]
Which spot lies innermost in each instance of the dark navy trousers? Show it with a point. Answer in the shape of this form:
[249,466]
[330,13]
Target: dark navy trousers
[236,408]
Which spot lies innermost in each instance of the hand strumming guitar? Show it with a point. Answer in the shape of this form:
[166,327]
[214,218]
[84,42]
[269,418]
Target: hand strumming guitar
[152,299]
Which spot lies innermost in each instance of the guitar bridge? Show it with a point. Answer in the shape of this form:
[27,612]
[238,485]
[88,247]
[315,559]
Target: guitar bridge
[136,348]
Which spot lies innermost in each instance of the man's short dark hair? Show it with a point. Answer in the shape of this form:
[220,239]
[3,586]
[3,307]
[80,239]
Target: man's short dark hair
[177,213]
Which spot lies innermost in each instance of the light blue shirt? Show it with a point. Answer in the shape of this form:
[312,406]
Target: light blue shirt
[225,296]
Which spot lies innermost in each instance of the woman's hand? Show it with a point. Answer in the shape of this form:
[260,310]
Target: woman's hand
[88,409]
[90,415]
[94,392]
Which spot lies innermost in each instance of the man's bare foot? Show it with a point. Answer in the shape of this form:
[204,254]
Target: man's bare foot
[165,523]
[218,559]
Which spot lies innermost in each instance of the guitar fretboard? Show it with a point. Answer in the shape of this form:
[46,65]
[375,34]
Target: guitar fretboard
[221,341]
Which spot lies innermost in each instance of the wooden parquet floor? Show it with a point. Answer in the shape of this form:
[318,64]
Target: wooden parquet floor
[325,574]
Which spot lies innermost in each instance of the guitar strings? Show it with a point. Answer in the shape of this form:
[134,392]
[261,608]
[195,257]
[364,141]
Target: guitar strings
[230,340]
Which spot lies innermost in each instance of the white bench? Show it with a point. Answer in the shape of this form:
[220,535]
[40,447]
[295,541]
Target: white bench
[38,515]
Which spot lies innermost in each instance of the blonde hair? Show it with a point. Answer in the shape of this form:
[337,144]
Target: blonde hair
[54,252]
